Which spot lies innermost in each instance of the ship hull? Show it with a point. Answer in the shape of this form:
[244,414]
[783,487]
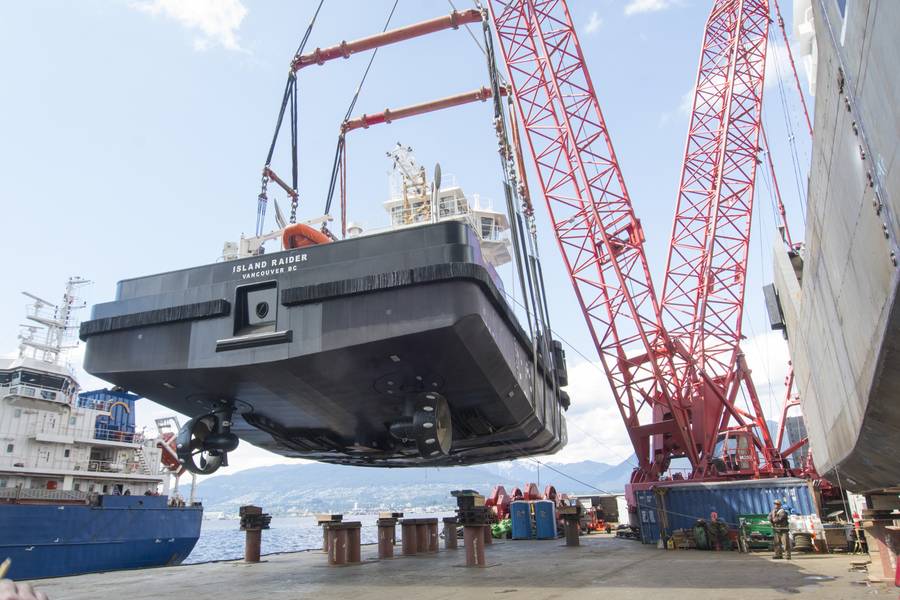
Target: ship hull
[352,333]
[122,532]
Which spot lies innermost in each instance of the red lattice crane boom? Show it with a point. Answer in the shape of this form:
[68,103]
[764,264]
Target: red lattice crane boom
[675,369]
[703,293]
[600,237]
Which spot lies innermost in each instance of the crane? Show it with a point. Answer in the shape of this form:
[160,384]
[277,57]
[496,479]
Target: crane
[673,360]
[676,359]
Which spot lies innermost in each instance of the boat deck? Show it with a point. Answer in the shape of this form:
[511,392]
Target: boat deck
[603,567]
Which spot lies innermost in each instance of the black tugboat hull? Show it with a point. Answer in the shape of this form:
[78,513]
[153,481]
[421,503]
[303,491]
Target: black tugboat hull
[351,335]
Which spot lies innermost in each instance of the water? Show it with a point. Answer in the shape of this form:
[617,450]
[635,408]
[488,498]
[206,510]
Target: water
[223,539]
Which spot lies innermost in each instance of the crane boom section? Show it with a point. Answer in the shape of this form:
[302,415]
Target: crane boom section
[598,234]
[724,270]
[682,286]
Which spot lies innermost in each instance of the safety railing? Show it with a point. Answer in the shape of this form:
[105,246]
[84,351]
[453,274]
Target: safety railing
[85,433]
[103,405]
[41,461]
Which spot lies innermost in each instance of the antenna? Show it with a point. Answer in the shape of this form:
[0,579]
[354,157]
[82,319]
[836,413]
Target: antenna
[57,321]
[37,299]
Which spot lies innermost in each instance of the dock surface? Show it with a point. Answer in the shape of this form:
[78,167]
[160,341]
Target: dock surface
[602,567]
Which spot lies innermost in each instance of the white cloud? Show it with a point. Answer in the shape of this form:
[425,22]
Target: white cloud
[644,6]
[596,431]
[216,21]
[593,23]
[687,103]
[778,67]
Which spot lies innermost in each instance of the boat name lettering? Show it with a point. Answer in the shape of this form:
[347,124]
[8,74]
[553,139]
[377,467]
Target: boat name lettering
[275,265]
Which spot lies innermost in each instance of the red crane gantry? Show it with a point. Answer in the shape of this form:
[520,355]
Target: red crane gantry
[675,364]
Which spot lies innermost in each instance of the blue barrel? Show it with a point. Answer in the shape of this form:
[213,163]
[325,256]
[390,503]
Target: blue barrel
[520,516]
[545,520]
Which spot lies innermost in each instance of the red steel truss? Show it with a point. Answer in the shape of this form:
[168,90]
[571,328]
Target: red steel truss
[681,360]
[683,286]
[703,294]
[598,234]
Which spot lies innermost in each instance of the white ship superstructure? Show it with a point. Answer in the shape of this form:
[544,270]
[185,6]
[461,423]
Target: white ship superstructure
[56,441]
[413,201]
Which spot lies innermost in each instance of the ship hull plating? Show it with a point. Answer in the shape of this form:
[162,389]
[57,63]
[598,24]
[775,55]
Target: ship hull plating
[322,349]
[121,532]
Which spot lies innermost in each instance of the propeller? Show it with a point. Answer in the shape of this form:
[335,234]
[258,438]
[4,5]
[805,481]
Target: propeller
[432,425]
[192,448]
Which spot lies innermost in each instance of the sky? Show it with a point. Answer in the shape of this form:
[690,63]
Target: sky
[132,134]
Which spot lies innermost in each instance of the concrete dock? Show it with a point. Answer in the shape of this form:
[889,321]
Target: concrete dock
[602,567]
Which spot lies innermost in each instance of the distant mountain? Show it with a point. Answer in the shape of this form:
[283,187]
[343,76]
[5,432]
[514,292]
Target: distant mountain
[320,487]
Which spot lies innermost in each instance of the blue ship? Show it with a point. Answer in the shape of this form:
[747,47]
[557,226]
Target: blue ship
[81,489]
[119,532]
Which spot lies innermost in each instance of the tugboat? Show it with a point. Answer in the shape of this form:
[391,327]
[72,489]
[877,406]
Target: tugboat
[79,485]
[386,348]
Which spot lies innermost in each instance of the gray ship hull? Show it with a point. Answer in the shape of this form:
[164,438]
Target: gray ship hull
[351,332]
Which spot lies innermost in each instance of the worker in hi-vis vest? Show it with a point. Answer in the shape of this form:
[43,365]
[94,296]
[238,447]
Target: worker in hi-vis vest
[781,539]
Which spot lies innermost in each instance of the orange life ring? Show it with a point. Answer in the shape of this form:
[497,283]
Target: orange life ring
[300,235]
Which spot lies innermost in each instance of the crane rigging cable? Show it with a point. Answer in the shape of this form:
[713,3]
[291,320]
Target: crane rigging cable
[519,213]
[789,126]
[790,54]
[289,97]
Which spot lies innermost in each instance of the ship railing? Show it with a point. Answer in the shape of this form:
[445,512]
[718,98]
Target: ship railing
[109,466]
[448,181]
[100,434]
[419,215]
[95,404]
[40,462]
[114,435]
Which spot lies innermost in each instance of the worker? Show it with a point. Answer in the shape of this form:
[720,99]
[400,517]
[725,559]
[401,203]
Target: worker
[718,533]
[781,539]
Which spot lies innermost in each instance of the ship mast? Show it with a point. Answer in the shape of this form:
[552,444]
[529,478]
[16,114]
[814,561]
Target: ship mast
[58,323]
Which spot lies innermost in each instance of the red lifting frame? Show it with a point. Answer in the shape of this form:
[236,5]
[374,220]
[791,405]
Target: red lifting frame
[389,115]
[346,49]
[598,234]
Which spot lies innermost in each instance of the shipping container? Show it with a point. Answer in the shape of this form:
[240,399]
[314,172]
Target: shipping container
[680,505]
[544,519]
[520,518]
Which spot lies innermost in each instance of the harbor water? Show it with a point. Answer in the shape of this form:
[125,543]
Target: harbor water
[222,539]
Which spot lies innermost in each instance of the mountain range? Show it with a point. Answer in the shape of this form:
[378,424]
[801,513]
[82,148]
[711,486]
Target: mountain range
[321,487]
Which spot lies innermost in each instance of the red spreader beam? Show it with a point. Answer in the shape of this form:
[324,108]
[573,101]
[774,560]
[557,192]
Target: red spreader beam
[346,49]
[389,115]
